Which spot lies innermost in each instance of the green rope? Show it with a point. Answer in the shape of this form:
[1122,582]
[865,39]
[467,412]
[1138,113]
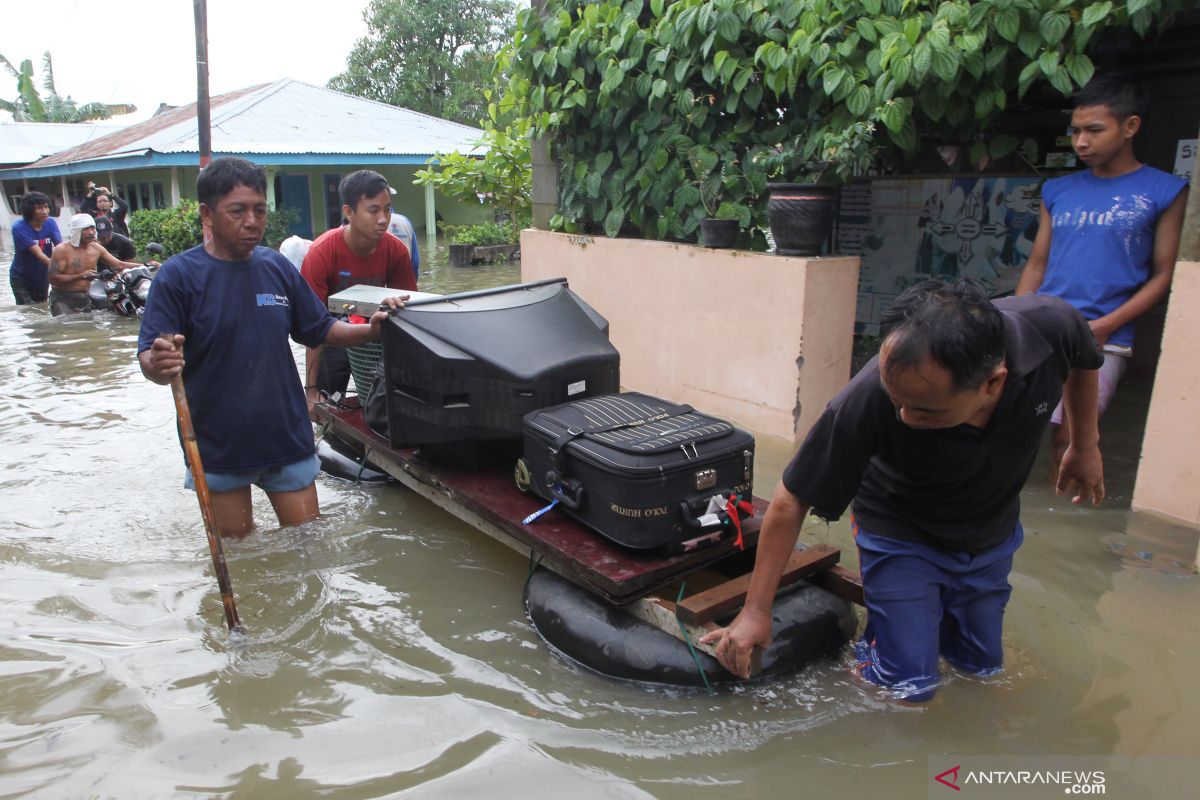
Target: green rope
[533,565]
[361,466]
[688,641]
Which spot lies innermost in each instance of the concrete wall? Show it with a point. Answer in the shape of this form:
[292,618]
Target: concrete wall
[762,340]
[1168,479]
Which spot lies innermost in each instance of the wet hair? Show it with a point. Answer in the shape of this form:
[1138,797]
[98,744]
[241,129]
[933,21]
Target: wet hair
[1123,96]
[29,203]
[223,174]
[955,324]
[360,184]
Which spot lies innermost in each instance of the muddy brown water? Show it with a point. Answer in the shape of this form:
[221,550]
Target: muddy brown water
[387,653]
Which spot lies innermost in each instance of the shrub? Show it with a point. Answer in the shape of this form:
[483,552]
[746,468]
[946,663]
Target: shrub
[178,228]
[482,235]
[278,223]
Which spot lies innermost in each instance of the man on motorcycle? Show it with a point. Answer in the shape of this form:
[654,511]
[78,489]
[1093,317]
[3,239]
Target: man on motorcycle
[73,267]
[118,246]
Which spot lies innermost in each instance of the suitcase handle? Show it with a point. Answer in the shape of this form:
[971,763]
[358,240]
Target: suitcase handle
[707,522]
[567,491]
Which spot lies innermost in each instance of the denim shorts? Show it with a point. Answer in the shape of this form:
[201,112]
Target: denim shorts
[288,478]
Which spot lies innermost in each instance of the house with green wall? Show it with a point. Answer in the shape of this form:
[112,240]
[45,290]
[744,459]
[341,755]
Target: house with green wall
[307,137]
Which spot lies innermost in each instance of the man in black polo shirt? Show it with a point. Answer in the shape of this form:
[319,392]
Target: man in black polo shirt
[932,441]
[117,245]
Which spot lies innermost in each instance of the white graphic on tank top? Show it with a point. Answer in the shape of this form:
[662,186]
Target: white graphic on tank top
[1129,220]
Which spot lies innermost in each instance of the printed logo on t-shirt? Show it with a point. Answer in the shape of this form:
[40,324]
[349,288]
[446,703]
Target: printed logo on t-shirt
[1130,217]
[272,300]
[1041,408]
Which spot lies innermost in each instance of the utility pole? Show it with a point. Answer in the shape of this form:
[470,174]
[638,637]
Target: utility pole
[203,117]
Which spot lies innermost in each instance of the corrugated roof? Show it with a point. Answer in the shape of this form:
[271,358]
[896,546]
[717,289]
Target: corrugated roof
[25,142]
[284,117]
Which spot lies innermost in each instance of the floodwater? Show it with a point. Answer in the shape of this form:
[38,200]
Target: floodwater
[387,653]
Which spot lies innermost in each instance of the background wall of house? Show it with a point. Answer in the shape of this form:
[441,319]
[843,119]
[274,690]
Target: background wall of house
[759,339]
[1168,479]
[908,229]
[151,188]
[325,206]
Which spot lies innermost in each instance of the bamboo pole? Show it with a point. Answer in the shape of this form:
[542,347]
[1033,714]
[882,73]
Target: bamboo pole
[192,449]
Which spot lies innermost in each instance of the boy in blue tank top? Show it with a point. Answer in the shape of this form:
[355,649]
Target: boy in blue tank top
[1108,235]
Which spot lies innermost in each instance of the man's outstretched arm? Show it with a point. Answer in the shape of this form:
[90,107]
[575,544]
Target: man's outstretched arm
[752,626]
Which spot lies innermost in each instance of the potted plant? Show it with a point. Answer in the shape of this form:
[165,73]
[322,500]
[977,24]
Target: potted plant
[719,229]
[719,183]
[801,212]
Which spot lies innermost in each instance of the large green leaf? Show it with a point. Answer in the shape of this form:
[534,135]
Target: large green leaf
[1081,68]
[729,26]
[704,161]
[1096,12]
[613,221]
[1053,27]
[922,60]
[945,64]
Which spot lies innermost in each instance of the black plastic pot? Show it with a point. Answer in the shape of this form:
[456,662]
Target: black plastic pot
[801,217]
[718,232]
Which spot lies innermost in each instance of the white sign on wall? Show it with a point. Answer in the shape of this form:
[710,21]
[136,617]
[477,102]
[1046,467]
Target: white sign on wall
[1185,158]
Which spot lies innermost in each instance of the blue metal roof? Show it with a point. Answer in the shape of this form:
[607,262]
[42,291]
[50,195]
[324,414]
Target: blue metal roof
[283,123]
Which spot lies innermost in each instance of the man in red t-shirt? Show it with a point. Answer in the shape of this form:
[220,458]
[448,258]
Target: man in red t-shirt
[360,252]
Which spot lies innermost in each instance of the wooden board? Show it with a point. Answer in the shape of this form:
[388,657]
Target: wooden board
[728,597]
[842,582]
[662,614]
[489,501]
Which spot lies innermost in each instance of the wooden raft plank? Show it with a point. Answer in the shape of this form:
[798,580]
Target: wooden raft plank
[720,600]
[842,582]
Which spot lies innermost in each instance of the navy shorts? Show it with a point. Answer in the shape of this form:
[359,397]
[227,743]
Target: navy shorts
[289,478]
[923,602]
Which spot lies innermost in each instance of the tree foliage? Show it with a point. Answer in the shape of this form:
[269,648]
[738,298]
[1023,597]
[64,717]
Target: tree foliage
[655,106]
[30,106]
[432,56]
[503,176]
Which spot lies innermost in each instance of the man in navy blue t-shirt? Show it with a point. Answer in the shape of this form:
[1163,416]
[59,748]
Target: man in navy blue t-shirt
[235,304]
[34,238]
[1109,234]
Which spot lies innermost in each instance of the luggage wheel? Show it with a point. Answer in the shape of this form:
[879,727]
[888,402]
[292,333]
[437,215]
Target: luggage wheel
[521,476]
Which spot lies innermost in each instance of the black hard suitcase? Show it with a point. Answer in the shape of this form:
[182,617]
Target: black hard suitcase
[645,473]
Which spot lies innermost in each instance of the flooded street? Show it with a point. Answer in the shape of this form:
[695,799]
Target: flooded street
[387,652]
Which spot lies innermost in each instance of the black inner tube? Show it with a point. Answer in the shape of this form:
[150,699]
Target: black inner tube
[339,459]
[807,623]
